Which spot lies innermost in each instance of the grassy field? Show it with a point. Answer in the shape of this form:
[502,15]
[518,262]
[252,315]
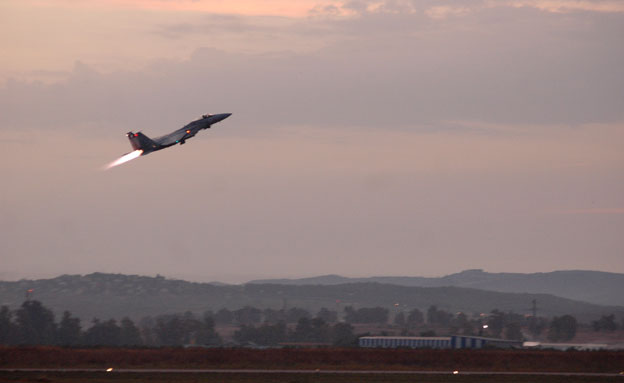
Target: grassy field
[103,377]
[354,360]
[320,358]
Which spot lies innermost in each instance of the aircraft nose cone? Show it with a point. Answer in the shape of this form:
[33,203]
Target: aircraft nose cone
[222,116]
[214,118]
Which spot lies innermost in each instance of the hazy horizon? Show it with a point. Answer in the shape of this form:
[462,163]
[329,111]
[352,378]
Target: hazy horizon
[390,137]
[242,279]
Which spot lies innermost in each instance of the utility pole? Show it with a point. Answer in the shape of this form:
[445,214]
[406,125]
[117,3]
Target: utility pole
[534,308]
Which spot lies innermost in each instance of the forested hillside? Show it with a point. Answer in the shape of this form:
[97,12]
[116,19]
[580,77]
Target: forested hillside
[117,295]
[590,286]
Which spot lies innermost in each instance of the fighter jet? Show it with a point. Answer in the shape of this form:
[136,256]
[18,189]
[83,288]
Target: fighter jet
[143,145]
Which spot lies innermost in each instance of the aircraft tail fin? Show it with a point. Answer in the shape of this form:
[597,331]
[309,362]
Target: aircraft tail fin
[140,141]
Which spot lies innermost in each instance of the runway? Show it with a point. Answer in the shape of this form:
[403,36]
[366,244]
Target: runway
[114,370]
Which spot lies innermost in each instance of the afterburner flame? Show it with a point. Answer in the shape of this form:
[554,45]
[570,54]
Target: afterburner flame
[125,158]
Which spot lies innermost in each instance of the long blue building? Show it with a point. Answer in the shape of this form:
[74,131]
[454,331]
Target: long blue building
[455,342]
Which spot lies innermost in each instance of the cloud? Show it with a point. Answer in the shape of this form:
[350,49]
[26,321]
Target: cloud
[440,9]
[212,24]
[594,211]
[393,70]
[564,6]
[442,12]
[241,7]
[301,8]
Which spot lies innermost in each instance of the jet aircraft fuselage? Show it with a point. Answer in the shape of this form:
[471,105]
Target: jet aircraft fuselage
[140,141]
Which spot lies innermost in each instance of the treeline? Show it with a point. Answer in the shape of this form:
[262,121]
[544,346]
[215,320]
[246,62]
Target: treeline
[34,324]
[307,331]
[499,324]
[496,324]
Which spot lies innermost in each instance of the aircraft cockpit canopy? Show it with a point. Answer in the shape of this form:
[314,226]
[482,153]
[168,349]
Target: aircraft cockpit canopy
[207,115]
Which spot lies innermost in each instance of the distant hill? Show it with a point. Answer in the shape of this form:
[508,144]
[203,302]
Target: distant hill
[116,295]
[589,286]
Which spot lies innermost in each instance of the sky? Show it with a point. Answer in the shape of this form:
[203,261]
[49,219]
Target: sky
[367,138]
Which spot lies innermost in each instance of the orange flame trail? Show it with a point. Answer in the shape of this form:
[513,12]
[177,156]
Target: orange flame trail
[125,158]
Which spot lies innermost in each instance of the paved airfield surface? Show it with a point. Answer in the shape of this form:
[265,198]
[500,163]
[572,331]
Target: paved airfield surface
[289,376]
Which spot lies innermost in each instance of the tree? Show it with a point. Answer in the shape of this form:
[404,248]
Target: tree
[7,328]
[415,318]
[169,331]
[342,335]
[304,331]
[224,316]
[206,333]
[311,330]
[496,323]
[35,324]
[208,314]
[438,317]
[148,335]
[129,333]
[462,324]
[248,315]
[69,331]
[190,327]
[266,335]
[605,323]
[399,319]
[106,333]
[373,315]
[466,326]
[537,325]
[513,331]
[327,315]
[180,329]
[350,314]
[366,315]
[562,328]
[273,316]
[294,314]
[322,331]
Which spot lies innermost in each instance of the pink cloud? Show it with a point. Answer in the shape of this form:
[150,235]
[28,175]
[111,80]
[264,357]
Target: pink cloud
[561,6]
[592,211]
[243,7]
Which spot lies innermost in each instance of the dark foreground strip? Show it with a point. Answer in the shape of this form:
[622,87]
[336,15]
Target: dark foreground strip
[354,372]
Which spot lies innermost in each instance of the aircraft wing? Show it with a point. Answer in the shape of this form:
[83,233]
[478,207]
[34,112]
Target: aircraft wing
[179,136]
